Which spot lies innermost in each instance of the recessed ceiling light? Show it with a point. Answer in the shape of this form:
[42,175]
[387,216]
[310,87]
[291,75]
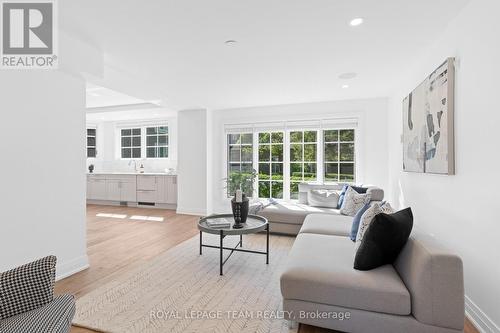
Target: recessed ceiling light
[345,86]
[357,21]
[230,42]
[348,76]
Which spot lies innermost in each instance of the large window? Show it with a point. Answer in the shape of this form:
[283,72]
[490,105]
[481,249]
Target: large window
[240,153]
[131,143]
[270,181]
[91,143]
[157,142]
[339,155]
[303,159]
[285,158]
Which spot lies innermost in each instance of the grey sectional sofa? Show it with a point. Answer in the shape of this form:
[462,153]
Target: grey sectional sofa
[287,217]
[422,292]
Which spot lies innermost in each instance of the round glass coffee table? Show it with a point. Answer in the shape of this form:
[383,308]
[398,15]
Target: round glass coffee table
[254,224]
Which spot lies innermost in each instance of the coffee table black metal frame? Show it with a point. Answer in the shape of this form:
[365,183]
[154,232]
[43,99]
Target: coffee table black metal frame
[253,225]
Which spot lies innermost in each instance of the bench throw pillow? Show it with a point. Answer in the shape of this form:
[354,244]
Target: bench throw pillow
[356,220]
[323,198]
[27,287]
[353,202]
[384,240]
[367,219]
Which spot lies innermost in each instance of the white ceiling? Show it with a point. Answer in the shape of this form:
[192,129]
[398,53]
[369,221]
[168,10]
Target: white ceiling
[288,51]
[98,97]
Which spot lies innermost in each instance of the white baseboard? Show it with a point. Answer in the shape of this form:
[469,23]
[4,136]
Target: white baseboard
[191,212]
[70,267]
[478,318]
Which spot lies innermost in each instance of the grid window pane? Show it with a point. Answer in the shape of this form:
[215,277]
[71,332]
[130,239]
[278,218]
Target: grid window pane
[126,141]
[136,131]
[295,152]
[247,138]
[126,152]
[346,172]
[233,138]
[150,152]
[332,172]
[91,152]
[347,135]
[309,152]
[294,191]
[331,152]
[296,137]
[264,190]
[264,153]
[264,171]
[310,136]
[136,152]
[339,147]
[152,140]
[126,132]
[157,142]
[271,165]
[264,137]
[235,154]
[347,152]
[277,153]
[331,135]
[162,152]
[91,131]
[247,154]
[277,190]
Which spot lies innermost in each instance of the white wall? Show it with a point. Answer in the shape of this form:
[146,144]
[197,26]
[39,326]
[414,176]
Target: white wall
[460,211]
[108,146]
[42,188]
[372,150]
[193,170]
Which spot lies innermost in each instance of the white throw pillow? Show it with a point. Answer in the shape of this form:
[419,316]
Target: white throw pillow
[367,219]
[353,201]
[323,198]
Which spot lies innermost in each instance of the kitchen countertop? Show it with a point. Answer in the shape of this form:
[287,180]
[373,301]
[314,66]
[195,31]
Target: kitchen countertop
[133,173]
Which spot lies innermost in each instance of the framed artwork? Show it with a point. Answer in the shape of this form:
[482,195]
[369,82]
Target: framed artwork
[428,138]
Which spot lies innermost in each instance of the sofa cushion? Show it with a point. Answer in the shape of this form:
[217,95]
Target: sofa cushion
[319,269]
[323,198]
[356,220]
[326,224]
[55,317]
[27,287]
[293,213]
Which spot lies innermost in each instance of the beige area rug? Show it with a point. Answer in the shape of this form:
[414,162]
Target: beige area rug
[181,291]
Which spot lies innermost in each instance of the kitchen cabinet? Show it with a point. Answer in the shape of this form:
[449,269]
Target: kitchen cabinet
[96,187]
[153,189]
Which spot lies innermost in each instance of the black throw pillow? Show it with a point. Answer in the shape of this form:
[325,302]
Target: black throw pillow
[384,239]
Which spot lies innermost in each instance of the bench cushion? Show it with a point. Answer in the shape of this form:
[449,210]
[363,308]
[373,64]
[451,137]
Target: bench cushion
[327,224]
[293,213]
[320,270]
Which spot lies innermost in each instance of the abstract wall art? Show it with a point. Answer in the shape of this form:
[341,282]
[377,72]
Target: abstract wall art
[428,138]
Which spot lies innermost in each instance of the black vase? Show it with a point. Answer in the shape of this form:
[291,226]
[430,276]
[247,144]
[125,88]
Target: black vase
[240,211]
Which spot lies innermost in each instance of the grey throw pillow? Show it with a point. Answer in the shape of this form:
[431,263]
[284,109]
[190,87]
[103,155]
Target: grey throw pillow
[353,202]
[367,219]
[27,287]
[323,198]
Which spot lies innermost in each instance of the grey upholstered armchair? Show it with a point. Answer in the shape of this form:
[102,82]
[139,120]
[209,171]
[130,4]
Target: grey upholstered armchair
[27,302]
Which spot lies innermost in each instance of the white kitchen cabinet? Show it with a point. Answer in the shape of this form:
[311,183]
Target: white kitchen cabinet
[128,191]
[146,183]
[113,189]
[150,189]
[96,187]
[171,189]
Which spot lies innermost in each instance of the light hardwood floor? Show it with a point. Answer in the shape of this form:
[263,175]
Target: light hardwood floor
[116,245]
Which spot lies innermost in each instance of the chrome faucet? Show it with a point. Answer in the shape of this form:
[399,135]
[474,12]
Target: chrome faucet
[135,164]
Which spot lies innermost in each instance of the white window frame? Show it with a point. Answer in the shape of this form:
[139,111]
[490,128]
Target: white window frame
[270,162]
[339,162]
[87,143]
[319,126]
[157,146]
[143,126]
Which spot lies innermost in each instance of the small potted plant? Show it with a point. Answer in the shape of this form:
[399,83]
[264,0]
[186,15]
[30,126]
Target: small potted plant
[241,186]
